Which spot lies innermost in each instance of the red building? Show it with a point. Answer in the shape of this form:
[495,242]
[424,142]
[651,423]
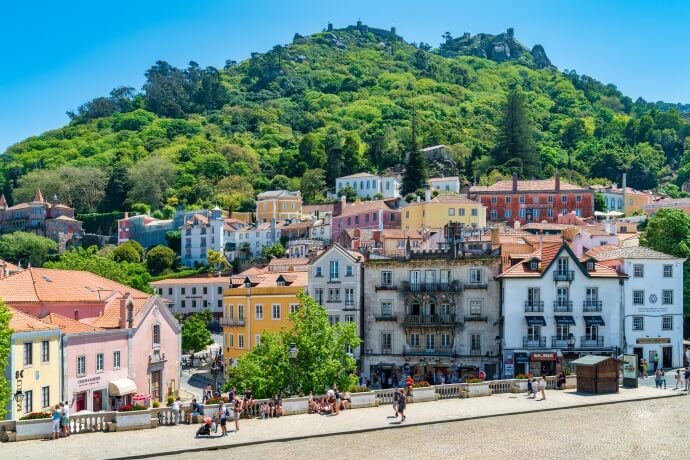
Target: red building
[527,201]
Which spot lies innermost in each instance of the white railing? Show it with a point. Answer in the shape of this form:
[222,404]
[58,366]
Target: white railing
[500,386]
[166,416]
[384,396]
[449,391]
[88,423]
[551,381]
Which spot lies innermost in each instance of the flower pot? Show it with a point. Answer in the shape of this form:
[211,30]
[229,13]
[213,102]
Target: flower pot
[133,420]
[520,386]
[293,406]
[34,429]
[366,399]
[423,394]
[478,389]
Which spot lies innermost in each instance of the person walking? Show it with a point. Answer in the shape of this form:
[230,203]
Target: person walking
[223,413]
[531,391]
[64,421]
[176,411]
[56,418]
[657,378]
[542,387]
[396,399]
[687,379]
[338,400]
[645,369]
[679,379]
[402,403]
[237,412]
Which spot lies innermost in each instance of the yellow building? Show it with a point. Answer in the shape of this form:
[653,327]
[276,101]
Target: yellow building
[256,303]
[439,211]
[34,369]
[279,205]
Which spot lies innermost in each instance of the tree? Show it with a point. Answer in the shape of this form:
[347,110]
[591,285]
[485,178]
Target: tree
[599,202]
[5,344]
[349,193]
[415,174]
[160,258]
[334,155]
[116,190]
[129,251]
[274,251]
[516,140]
[311,151]
[174,239]
[26,248]
[216,260]
[313,184]
[151,178]
[645,166]
[322,359]
[668,231]
[195,335]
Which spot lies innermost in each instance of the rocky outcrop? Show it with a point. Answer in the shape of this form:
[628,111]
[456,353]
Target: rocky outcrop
[541,61]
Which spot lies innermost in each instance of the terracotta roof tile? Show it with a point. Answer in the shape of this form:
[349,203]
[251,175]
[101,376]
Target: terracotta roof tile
[364,206]
[546,255]
[68,325]
[111,315]
[22,322]
[191,280]
[527,186]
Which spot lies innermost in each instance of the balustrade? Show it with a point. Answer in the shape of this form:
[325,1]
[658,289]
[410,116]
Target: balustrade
[88,423]
[452,390]
[500,386]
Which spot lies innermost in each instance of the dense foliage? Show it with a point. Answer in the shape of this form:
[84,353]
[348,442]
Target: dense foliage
[26,248]
[339,102]
[195,335]
[5,339]
[321,361]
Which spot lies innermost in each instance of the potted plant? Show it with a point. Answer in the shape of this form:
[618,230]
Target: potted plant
[361,396]
[132,417]
[477,387]
[35,425]
[423,391]
[520,383]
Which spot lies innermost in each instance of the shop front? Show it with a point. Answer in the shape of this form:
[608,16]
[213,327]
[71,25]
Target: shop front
[521,363]
[545,363]
[121,392]
[436,372]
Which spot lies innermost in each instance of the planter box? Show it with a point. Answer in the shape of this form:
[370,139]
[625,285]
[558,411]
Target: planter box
[134,420]
[293,406]
[367,399]
[423,394]
[478,389]
[34,429]
[519,386]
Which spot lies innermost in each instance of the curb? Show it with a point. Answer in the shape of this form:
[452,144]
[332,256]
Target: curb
[381,428]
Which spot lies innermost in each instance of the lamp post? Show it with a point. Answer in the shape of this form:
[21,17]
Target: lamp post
[293,351]
[19,398]
[571,346]
[499,343]
[215,370]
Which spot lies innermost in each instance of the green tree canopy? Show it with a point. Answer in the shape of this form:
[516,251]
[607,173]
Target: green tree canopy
[160,258]
[129,251]
[313,185]
[516,139]
[276,250]
[26,248]
[415,174]
[668,231]
[5,343]
[195,335]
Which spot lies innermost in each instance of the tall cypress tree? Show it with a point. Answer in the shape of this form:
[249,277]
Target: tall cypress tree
[415,174]
[516,141]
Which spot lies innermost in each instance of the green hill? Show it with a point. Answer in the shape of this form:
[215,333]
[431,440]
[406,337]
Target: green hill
[332,103]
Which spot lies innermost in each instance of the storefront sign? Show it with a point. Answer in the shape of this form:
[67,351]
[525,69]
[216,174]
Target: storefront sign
[544,357]
[651,340]
[88,381]
[521,358]
[630,371]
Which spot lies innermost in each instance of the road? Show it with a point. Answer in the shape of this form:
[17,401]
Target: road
[641,429]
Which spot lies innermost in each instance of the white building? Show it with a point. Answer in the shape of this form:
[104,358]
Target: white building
[445,184]
[194,294]
[556,308]
[248,241]
[367,185]
[653,303]
[335,278]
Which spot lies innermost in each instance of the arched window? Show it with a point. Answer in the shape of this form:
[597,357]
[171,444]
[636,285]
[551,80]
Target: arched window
[156,335]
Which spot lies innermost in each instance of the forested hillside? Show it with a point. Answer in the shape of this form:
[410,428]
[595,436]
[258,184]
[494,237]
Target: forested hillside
[333,103]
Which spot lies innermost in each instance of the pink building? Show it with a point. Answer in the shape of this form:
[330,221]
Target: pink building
[378,215]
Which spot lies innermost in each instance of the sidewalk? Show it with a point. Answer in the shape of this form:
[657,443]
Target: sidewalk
[145,443]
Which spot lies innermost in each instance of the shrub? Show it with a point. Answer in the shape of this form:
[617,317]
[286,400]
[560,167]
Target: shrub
[215,400]
[422,384]
[359,389]
[171,399]
[130,408]
[36,416]
[522,376]
[156,404]
[474,380]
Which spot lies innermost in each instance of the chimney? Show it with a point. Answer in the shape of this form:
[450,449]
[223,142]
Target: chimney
[625,195]
[419,199]
[515,182]
[123,323]
[343,202]
[557,182]
[495,236]
[427,196]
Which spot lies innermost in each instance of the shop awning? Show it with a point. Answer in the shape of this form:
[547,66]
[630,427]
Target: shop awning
[544,356]
[122,387]
[594,321]
[535,320]
[565,321]
[521,358]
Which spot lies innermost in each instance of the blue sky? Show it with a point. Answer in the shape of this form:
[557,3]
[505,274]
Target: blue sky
[55,57]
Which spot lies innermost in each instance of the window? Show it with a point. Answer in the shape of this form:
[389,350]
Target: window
[521,213]
[564,211]
[386,342]
[638,271]
[533,296]
[231,340]
[591,332]
[349,297]
[193,291]
[116,360]
[564,198]
[451,211]
[349,319]
[507,213]
[549,199]
[494,214]
[28,354]
[334,295]
[473,212]
[45,397]
[230,311]
[562,332]
[156,334]
[220,290]
[374,216]
[535,214]
[45,351]
[667,323]
[494,200]
[461,212]
[257,339]
[276,311]
[430,342]
[259,311]
[386,278]
[183,303]
[475,275]
[508,199]
[667,297]
[445,340]
[193,303]
[533,333]
[549,212]
[183,290]
[563,265]
[335,270]
[356,220]
[387,308]
[318,294]
[535,199]
[366,218]
[81,365]
[668,271]
[638,323]
[414,339]
[28,401]
[220,303]
[638,297]
[333,319]
[240,313]
[590,265]
[205,290]
[591,294]
[392,217]
[240,340]
[446,309]
[294,307]
[100,362]
[476,344]
[76,315]
[578,198]
[521,199]
[476,307]
[348,270]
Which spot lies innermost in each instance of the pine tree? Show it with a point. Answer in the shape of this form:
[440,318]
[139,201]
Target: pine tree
[516,145]
[415,175]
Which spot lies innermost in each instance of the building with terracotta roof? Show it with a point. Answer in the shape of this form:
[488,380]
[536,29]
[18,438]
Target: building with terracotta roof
[378,214]
[445,184]
[258,303]
[186,296]
[534,200]
[368,185]
[390,242]
[557,307]
[439,211]
[682,204]
[626,200]
[34,365]
[52,219]
[278,205]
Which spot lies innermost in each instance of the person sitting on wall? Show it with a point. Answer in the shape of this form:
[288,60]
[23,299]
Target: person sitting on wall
[560,384]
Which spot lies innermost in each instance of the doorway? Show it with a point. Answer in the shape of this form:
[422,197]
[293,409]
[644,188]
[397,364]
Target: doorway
[666,357]
[638,351]
[156,385]
[97,401]
[80,402]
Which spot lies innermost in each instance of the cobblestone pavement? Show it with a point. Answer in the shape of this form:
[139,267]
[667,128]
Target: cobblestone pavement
[643,429]
[171,439]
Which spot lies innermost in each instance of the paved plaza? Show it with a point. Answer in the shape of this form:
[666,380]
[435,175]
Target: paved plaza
[146,443]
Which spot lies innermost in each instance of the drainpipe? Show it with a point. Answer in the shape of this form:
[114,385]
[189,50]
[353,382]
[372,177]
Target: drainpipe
[361,319]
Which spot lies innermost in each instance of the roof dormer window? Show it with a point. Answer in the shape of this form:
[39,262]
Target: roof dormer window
[590,266]
[534,265]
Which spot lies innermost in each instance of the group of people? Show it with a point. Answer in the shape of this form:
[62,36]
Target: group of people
[60,418]
[273,408]
[683,379]
[400,403]
[331,403]
[535,386]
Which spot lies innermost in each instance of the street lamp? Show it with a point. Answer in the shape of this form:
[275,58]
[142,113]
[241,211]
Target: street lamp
[499,344]
[215,370]
[19,398]
[293,351]
[571,345]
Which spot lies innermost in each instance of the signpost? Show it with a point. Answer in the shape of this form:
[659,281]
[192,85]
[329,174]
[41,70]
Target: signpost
[630,371]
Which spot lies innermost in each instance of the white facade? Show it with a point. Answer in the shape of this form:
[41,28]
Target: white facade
[192,295]
[249,241]
[653,296]
[367,185]
[445,184]
[551,298]
[200,234]
[335,283]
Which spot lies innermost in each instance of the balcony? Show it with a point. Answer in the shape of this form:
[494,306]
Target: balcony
[567,275]
[386,287]
[534,306]
[534,342]
[429,320]
[476,318]
[430,287]
[423,351]
[591,342]
[559,342]
[476,285]
[232,322]
[386,351]
[562,306]
[591,305]
[349,305]
[385,318]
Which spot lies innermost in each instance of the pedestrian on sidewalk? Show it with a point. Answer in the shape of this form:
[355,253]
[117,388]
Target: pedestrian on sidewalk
[56,417]
[176,411]
[687,379]
[194,411]
[402,403]
[237,412]
[223,413]
[645,368]
[64,421]
[657,378]
[679,380]
[542,387]
[531,391]
[231,395]
[396,399]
